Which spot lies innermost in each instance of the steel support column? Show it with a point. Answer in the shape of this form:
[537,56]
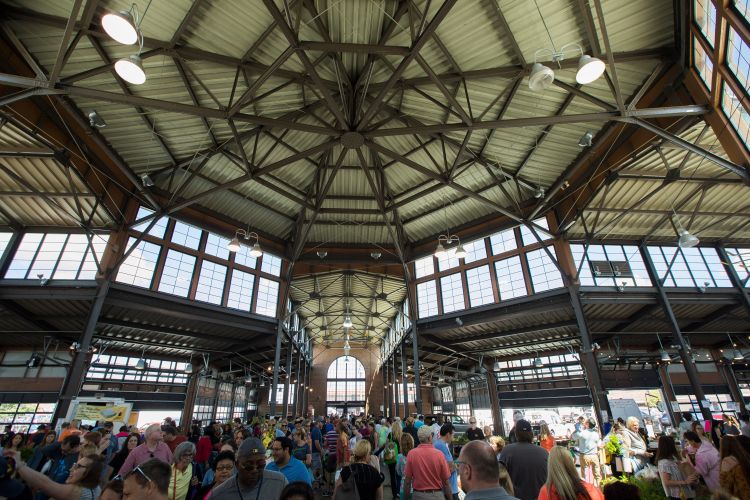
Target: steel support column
[77,370]
[727,373]
[300,384]
[404,380]
[276,368]
[415,349]
[394,386]
[497,420]
[682,346]
[186,419]
[666,385]
[287,379]
[384,373]
[734,277]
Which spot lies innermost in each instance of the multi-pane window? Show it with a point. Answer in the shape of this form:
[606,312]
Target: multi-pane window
[280,394]
[475,250]
[510,280]
[186,235]
[705,18]
[4,240]
[243,257]
[453,293]
[544,274]
[479,283]
[689,267]
[57,256]
[26,417]
[447,260]
[504,241]
[268,297]
[623,265]
[743,8]
[211,282]
[240,395]
[122,369]
[271,264]
[528,237]
[424,267]
[702,63]
[138,268]
[524,370]
[224,401]
[737,114]
[217,246]
[241,290]
[177,274]
[427,299]
[157,230]
[740,259]
[205,400]
[738,58]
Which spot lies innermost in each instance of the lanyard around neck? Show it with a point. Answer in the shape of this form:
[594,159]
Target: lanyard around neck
[239,490]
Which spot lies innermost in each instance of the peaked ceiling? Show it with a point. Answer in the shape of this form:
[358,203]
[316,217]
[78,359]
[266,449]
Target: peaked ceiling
[368,123]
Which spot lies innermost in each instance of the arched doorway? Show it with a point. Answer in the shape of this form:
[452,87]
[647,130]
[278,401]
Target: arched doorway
[345,387]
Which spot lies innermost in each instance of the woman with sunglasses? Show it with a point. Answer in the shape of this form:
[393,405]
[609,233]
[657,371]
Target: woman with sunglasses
[223,469]
[182,479]
[82,482]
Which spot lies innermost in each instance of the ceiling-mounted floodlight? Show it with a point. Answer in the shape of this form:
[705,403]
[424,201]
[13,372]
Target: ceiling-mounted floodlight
[131,70]
[665,357]
[249,379]
[540,77]
[147,181]
[347,322]
[189,368]
[539,193]
[121,27]
[95,120]
[140,364]
[586,139]
[538,363]
[685,238]
[589,69]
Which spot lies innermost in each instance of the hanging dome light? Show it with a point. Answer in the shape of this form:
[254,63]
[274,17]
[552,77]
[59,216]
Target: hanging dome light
[347,348]
[121,27]
[131,70]
[439,250]
[538,363]
[348,322]
[589,69]
[256,251]
[140,364]
[687,239]
[665,357]
[189,368]
[541,77]
[737,355]
[496,367]
[460,252]
[249,379]
[234,245]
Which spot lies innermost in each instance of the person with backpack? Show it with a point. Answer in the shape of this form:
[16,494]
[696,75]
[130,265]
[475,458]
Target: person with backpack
[359,480]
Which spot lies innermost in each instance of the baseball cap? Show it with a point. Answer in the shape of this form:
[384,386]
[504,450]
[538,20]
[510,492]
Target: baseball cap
[9,488]
[523,426]
[251,446]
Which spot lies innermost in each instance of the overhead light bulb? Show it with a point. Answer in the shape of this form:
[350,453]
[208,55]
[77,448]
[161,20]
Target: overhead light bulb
[460,252]
[189,368]
[540,77]
[589,69]
[121,27]
[234,245]
[140,364]
[256,251]
[131,70]
[687,239]
[665,357]
[347,322]
[586,140]
[439,250]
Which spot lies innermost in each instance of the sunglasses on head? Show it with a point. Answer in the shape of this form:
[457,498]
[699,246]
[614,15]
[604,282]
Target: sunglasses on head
[140,471]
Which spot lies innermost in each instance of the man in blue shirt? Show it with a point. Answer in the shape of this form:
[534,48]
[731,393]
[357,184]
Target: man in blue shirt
[284,462]
[443,445]
[419,422]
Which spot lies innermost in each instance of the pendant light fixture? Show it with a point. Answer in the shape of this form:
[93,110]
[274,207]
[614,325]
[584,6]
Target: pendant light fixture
[131,70]
[141,363]
[121,26]
[189,366]
[440,250]
[589,70]
[538,363]
[124,27]
[665,357]
[685,239]
[736,353]
[234,245]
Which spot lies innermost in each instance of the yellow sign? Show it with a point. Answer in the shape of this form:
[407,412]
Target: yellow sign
[86,411]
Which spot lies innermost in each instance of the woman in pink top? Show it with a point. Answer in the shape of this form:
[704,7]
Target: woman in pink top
[707,460]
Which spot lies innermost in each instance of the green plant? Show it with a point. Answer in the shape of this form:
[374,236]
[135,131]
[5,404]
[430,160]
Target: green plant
[613,446]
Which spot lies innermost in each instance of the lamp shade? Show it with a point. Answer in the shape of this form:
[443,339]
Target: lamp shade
[538,363]
[686,239]
[541,77]
[460,252]
[665,357]
[189,368]
[737,355]
[589,69]
[347,322]
[140,364]
[120,26]
[256,251]
[234,245]
[439,250]
[131,70]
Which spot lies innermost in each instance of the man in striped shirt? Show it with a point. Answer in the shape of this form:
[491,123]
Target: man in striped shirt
[329,465]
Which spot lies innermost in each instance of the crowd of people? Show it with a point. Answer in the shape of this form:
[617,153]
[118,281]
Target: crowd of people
[351,458]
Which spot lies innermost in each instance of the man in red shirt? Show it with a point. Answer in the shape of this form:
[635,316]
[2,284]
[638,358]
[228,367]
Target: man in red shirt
[172,437]
[426,471]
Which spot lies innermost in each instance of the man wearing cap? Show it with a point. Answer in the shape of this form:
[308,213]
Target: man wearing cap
[283,461]
[442,444]
[526,462]
[426,475]
[252,481]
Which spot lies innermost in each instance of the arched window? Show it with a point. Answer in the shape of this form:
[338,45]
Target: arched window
[346,381]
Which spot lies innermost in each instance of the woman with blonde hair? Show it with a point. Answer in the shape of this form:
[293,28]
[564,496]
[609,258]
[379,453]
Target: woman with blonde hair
[497,443]
[563,481]
[406,444]
[369,482]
